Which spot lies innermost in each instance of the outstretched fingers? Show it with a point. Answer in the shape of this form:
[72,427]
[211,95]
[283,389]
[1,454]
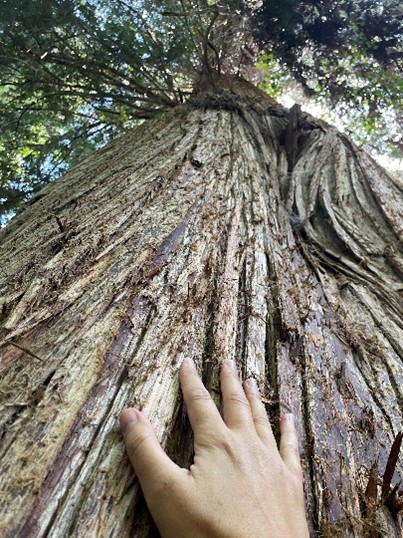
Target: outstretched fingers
[204,416]
[259,414]
[289,444]
[236,408]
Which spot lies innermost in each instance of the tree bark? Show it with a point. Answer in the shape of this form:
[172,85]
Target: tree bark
[196,236]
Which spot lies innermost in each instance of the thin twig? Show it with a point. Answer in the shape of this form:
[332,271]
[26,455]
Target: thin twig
[25,350]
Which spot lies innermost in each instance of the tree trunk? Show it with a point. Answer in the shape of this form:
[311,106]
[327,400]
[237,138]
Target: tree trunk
[225,228]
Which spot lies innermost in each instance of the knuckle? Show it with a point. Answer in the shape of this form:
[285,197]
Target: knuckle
[222,442]
[261,420]
[292,447]
[137,440]
[199,394]
[238,399]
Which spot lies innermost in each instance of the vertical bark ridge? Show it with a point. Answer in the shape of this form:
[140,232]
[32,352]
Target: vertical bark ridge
[365,289]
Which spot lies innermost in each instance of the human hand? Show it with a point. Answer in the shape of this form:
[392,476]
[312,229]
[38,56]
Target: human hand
[240,485]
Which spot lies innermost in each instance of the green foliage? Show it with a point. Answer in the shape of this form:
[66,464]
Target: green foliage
[75,73]
[276,78]
[347,54]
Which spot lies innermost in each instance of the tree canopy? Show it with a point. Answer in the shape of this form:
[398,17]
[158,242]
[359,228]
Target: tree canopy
[75,73]
[348,53]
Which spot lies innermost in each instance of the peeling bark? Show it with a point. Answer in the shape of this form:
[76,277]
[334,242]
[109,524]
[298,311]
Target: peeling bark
[196,236]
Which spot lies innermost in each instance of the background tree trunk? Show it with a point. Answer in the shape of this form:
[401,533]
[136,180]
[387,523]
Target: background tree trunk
[224,228]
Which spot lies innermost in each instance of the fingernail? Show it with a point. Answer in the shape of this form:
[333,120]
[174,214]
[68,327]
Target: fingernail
[289,418]
[251,382]
[127,418]
[189,363]
[229,363]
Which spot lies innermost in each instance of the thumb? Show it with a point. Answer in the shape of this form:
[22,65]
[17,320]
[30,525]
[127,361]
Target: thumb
[153,467]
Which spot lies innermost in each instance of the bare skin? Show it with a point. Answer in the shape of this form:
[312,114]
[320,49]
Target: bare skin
[240,485]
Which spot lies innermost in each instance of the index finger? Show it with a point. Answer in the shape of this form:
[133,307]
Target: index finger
[204,416]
